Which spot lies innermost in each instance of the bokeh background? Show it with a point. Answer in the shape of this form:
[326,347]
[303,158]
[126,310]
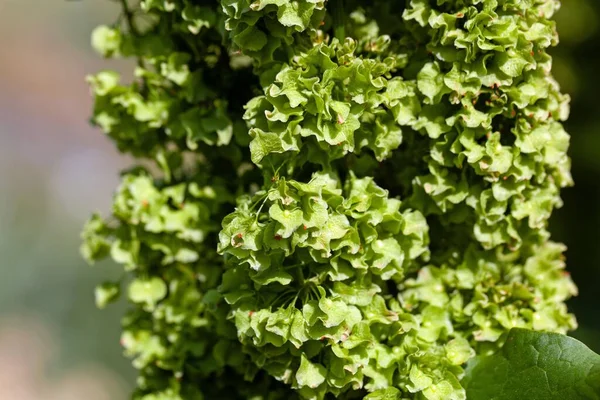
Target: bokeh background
[55,169]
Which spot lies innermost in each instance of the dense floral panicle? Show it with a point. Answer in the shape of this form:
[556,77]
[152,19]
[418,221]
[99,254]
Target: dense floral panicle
[350,198]
[492,111]
[267,30]
[176,335]
[180,95]
[329,102]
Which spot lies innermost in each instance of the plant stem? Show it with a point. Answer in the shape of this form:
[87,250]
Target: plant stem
[128,17]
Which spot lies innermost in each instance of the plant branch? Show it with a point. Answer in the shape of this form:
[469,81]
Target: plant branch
[129,17]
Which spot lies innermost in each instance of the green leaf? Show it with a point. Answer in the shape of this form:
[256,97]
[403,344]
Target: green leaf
[447,389]
[511,64]
[384,394]
[535,365]
[289,219]
[251,38]
[418,380]
[459,351]
[430,82]
[95,245]
[272,275]
[106,40]
[106,293]
[265,143]
[335,310]
[148,291]
[309,374]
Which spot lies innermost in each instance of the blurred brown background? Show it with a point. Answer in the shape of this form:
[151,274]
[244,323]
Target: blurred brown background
[55,170]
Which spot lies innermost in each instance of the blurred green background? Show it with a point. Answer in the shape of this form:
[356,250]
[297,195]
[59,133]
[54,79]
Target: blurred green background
[55,170]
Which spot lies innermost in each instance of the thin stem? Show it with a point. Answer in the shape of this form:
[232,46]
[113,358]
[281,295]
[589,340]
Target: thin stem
[292,266]
[186,271]
[278,168]
[260,208]
[293,303]
[128,17]
[282,295]
[314,291]
[261,198]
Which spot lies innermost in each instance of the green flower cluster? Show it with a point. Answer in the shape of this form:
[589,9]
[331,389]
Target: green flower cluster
[183,87]
[492,112]
[330,102]
[307,277]
[268,29]
[347,199]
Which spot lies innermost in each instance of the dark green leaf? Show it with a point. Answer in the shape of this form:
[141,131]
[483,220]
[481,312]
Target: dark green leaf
[535,366]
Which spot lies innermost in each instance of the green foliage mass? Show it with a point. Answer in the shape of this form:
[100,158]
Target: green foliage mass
[338,199]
